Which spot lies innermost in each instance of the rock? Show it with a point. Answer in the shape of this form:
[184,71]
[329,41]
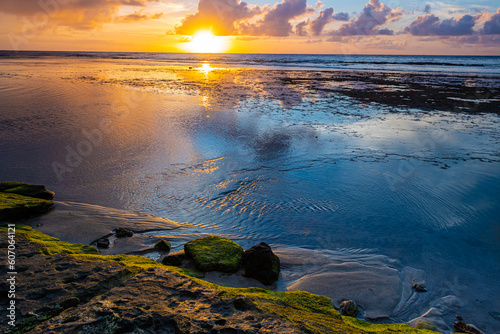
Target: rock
[14,206]
[163,245]
[261,263]
[26,189]
[349,308]
[103,243]
[419,287]
[462,327]
[123,232]
[214,253]
[174,259]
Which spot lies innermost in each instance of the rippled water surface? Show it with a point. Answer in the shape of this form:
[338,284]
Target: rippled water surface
[236,154]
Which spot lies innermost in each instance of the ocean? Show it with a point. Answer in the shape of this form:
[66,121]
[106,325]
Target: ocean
[447,64]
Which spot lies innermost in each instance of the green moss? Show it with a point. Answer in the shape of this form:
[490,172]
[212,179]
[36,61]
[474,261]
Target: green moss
[384,328]
[215,253]
[26,189]
[51,245]
[14,206]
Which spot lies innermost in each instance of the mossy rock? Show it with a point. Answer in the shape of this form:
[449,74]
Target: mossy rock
[15,207]
[26,189]
[214,253]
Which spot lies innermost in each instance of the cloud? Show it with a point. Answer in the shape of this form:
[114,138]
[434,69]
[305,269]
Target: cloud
[492,26]
[138,16]
[79,14]
[276,21]
[427,9]
[324,17]
[301,28]
[341,17]
[220,16]
[374,15]
[431,25]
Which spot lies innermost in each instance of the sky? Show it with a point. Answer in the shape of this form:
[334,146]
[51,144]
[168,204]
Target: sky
[464,27]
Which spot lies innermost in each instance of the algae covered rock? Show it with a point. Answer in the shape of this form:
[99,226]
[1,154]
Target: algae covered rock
[214,253]
[26,189]
[14,206]
[349,308]
[261,263]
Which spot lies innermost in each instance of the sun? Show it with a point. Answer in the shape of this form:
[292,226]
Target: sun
[206,42]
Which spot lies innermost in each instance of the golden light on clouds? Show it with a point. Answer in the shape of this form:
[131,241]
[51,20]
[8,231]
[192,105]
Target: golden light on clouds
[205,42]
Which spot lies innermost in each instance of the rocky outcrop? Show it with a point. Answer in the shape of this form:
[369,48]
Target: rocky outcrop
[14,207]
[214,253]
[261,263]
[82,291]
[26,189]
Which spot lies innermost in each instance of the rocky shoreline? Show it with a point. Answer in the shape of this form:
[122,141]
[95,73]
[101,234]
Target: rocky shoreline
[67,288]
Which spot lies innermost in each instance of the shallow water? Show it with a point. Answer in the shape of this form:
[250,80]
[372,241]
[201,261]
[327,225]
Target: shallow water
[234,153]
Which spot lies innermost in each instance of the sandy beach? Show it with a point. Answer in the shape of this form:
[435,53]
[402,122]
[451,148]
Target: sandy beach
[362,182]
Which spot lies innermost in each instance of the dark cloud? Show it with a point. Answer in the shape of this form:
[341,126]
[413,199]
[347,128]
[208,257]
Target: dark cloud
[341,17]
[301,28]
[79,14]
[276,22]
[220,16]
[138,16]
[427,9]
[324,17]
[431,25]
[492,26]
[373,16]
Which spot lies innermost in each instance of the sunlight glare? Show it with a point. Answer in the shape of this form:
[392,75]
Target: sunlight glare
[206,42]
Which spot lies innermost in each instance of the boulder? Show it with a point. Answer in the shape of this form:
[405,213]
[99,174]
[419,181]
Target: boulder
[419,287]
[214,254]
[174,259]
[123,232]
[26,189]
[103,243]
[14,206]
[163,245]
[349,308]
[261,263]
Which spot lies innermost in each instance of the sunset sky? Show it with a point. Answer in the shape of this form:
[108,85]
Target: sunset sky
[258,26]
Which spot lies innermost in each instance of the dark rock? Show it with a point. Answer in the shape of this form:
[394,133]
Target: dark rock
[243,304]
[26,189]
[349,308]
[174,259]
[163,245]
[261,263]
[462,327]
[459,318]
[103,243]
[419,287]
[70,302]
[123,232]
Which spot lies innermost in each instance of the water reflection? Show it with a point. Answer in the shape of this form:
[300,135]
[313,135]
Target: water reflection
[280,158]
